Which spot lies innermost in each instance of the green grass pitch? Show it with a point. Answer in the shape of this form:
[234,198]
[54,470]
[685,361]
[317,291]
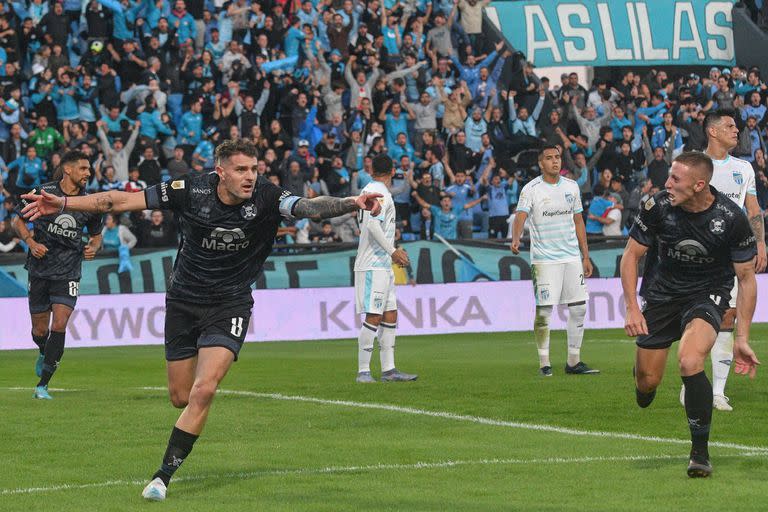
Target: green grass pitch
[292,431]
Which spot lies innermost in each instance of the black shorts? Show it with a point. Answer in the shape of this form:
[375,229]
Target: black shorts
[43,293]
[667,320]
[190,326]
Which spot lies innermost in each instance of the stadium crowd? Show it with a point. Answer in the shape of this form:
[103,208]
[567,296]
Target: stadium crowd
[147,88]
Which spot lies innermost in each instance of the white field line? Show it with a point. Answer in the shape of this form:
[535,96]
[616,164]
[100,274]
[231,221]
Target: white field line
[360,469]
[480,420]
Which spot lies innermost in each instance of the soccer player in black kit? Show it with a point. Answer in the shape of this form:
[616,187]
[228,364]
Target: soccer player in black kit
[56,252]
[701,238]
[228,220]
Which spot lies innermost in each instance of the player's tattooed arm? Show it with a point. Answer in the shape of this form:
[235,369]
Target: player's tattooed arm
[103,202]
[758,227]
[324,207]
[755,216]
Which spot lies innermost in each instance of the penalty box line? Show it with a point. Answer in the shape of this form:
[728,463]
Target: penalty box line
[244,475]
[479,419]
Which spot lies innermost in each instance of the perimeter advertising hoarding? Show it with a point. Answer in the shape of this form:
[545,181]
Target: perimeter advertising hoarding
[328,313]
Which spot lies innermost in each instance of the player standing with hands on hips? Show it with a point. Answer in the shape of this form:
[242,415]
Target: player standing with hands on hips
[559,256]
[375,280]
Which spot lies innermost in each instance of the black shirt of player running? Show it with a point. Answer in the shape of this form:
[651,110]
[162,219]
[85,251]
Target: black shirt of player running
[62,234]
[223,247]
[695,252]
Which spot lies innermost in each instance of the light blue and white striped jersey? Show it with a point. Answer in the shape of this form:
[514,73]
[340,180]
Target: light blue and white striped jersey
[735,178]
[370,255]
[550,210]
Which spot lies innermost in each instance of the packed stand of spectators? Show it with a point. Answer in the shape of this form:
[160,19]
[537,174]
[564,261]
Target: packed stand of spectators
[148,87]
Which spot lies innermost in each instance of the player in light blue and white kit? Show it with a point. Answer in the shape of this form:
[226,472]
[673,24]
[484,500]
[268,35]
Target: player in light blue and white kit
[375,280]
[559,256]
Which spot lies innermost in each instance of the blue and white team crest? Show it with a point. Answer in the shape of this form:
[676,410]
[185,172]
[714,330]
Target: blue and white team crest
[569,197]
[738,178]
[378,300]
[544,294]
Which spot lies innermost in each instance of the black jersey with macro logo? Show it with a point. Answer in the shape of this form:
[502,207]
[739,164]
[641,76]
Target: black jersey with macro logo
[62,234]
[695,252]
[223,247]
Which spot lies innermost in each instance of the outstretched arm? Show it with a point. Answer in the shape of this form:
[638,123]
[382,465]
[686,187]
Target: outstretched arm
[103,202]
[324,207]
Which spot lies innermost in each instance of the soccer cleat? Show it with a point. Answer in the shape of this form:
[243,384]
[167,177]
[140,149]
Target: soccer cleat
[580,369]
[41,393]
[682,395]
[545,371]
[155,490]
[39,365]
[395,375]
[699,466]
[721,403]
[365,378]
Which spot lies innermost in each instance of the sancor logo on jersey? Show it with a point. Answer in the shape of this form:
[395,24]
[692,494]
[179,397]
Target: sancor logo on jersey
[248,211]
[717,226]
[222,239]
[738,177]
[690,251]
[65,225]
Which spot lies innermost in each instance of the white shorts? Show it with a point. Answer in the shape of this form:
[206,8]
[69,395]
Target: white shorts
[559,283]
[375,291]
[734,292]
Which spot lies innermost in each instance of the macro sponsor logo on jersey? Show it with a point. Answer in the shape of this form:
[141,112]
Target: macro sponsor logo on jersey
[65,225]
[222,239]
[690,251]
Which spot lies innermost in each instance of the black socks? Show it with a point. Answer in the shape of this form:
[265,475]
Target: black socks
[179,446]
[54,350]
[40,342]
[698,409]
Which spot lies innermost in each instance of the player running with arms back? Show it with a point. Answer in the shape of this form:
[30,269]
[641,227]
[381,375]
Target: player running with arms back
[701,238]
[559,256]
[54,263]
[375,280]
[736,179]
[228,220]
